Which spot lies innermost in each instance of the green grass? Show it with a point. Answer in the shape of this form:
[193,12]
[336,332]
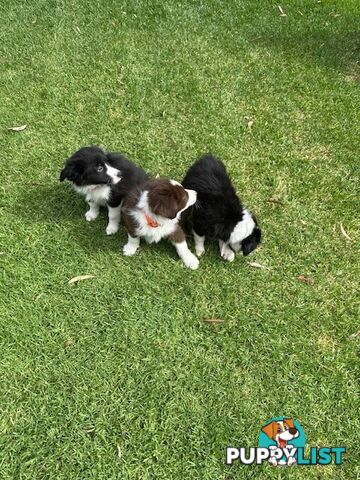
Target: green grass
[165,81]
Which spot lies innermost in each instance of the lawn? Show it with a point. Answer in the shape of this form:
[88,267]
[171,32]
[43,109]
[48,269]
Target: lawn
[119,376]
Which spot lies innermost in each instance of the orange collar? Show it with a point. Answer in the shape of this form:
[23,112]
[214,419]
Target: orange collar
[151,222]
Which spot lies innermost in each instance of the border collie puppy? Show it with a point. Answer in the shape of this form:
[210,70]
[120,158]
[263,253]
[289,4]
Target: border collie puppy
[104,179]
[153,212]
[218,212]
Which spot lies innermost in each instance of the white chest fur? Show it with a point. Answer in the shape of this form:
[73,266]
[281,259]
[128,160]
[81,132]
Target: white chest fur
[98,194]
[153,234]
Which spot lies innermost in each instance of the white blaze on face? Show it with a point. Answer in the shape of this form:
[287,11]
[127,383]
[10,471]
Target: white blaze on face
[286,435]
[113,173]
[174,182]
[242,229]
[192,198]
[191,193]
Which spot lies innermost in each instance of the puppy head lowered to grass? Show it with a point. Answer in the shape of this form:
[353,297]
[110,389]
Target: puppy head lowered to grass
[246,234]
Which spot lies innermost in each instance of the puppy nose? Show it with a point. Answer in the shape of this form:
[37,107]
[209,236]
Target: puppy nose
[292,431]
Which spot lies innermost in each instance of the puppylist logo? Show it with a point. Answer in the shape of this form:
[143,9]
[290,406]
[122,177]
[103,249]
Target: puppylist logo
[282,443]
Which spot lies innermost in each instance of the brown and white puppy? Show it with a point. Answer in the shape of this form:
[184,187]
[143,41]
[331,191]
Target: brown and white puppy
[281,432]
[153,211]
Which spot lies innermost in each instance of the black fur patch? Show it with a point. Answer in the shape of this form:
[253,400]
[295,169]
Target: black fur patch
[251,242]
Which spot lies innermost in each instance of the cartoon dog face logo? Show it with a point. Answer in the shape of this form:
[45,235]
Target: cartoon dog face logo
[281,431]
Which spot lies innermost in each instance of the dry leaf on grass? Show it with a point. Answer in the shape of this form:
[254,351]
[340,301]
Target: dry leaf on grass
[305,279]
[18,129]
[80,278]
[90,431]
[343,232]
[250,122]
[119,452]
[69,342]
[256,265]
[214,320]
[275,200]
[282,13]
[355,335]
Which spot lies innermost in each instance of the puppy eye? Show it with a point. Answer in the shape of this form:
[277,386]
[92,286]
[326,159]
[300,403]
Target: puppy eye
[100,168]
[279,430]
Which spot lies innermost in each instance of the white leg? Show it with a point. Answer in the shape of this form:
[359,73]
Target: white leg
[131,246]
[236,246]
[186,256]
[273,461]
[226,252]
[114,220]
[93,211]
[199,244]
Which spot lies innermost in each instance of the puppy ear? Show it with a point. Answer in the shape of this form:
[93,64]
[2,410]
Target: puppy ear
[289,422]
[165,207]
[270,430]
[251,242]
[71,171]
[66,172]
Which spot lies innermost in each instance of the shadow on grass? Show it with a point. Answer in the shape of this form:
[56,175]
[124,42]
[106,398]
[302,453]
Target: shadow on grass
[63,211]
[43,202]
[321,33]
[311,33]
[340,51]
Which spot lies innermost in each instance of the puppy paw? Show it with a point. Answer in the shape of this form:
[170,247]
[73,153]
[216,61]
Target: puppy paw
[199,251]
[129,249]
[228,255]
[111,229]
[90,215]
[291,461]
[191,261]
[273,461]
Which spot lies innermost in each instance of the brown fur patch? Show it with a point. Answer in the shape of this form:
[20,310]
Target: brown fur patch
[178,236]
[166,199]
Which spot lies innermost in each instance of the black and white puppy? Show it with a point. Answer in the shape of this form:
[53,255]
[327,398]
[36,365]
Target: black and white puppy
[218,212]
[104,178]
